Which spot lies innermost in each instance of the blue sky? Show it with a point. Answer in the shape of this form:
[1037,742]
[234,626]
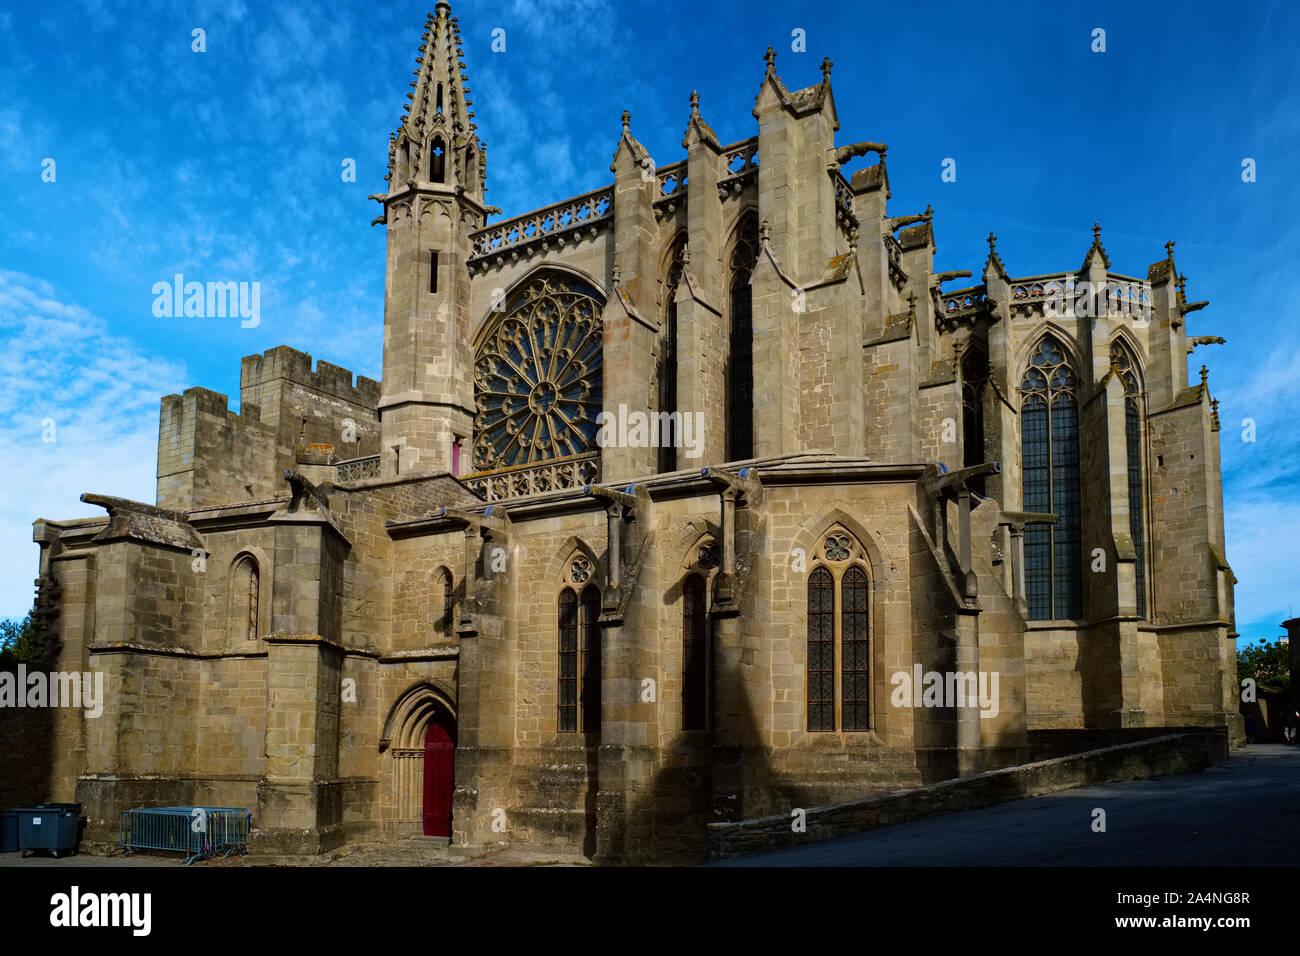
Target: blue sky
[226,165]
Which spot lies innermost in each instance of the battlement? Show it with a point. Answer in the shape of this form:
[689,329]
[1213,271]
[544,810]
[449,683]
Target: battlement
[206,452]
[204,401]
[283,362]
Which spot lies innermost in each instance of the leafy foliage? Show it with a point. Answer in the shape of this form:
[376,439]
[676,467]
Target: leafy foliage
[17,641]
[1268,663]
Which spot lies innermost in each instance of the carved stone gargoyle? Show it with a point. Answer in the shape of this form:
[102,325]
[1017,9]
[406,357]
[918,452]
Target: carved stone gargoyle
[844,153]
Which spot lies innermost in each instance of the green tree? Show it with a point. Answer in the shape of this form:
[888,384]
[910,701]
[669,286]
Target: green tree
[1268,663]
[17,641]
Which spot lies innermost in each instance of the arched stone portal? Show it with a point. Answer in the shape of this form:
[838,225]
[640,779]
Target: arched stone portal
[420,737]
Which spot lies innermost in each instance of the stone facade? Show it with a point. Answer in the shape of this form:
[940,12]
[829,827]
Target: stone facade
[627,647]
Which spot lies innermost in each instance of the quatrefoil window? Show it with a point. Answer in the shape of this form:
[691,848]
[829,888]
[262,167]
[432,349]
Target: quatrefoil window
[838,547]
[580,570]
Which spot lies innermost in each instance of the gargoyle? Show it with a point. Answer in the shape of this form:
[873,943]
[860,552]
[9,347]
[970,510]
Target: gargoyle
[302,490]
[1204,340]
[940,278]
[844,153]
[898,222]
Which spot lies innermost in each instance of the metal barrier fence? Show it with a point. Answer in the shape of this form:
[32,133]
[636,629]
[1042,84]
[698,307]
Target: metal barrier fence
[200,833]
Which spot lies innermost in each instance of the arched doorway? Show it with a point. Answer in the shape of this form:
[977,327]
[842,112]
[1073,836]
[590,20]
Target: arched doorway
[419,737]
[439,779]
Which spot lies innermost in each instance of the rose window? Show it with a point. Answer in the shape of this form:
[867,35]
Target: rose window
[537,378]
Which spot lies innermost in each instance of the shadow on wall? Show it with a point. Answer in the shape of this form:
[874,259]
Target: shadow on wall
[26,752]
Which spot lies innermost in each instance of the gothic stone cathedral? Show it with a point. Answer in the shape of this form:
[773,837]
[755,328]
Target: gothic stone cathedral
[451,603]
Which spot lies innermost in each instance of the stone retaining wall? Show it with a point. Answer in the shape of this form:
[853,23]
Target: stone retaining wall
[1178,752]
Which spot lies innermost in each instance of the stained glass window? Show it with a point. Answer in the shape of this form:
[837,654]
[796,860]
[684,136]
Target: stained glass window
[537,376]
[668,357]
[448,604]
[974,378]
[1049,442]
[821,650]
[740,365]
[854,650]
[568,673]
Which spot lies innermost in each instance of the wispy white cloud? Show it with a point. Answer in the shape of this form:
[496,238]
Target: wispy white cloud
[67,376]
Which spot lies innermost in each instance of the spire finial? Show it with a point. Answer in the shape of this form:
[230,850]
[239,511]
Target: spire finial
[770,59]
[1096,232]
[616,276]
[929,213]
[627,120]
[1205,374]
[853,238]
[695,104]
[826,69]
[992,241]
[764,231]
[1182,285]
[1169,248]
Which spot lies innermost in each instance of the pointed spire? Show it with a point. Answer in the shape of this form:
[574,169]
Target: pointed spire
[994,261]
[696,123]
[1096,249]
[770,59]
[439,108]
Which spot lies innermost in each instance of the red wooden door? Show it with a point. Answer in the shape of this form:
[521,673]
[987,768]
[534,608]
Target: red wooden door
[439,760]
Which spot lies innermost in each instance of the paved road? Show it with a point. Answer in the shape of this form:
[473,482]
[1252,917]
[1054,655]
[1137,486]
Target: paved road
[1244,812]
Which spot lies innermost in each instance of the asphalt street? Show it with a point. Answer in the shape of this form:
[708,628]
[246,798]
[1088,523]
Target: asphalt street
[1243,812]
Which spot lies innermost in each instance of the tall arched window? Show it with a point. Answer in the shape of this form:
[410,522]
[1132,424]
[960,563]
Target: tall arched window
[839,636]
[668,359]
[578,675]
[245,595]
[821,650]
[695,648]
[1049,448]
[974,378]
[740,362]
[1126,367]
[447,623]
[568,673]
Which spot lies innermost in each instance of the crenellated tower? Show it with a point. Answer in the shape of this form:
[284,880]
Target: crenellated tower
[434,201]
